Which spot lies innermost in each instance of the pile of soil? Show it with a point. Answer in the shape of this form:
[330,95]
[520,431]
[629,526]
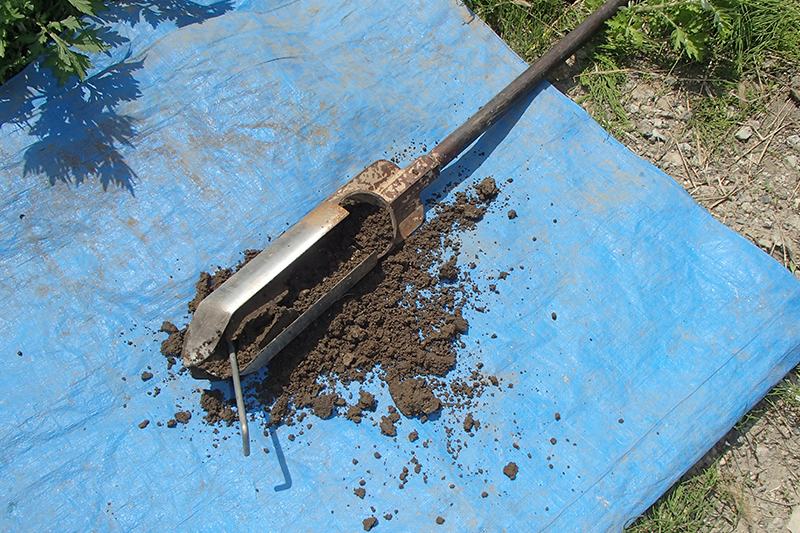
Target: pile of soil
[366,230]
[401,324]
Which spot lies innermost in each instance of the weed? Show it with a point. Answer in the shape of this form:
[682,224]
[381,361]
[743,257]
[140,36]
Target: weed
[55,29]
[696,504]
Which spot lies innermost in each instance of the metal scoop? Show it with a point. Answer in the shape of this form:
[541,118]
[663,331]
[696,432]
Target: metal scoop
[383,184]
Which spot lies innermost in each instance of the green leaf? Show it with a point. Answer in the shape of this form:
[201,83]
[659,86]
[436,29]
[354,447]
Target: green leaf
[84,6]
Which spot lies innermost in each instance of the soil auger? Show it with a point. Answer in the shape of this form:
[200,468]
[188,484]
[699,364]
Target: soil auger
[218,317]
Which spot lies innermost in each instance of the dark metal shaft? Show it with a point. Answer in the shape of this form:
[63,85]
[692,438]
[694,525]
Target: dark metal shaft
[468,132]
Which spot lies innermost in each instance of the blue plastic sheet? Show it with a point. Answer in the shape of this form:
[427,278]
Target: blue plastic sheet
[207,129]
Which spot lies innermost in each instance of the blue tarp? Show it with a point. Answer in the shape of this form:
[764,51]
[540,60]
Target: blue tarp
[204,131]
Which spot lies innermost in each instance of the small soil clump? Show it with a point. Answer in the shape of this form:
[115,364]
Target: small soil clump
[323,405]
[470,423]
[369,523]
[217,410]
[511,470]
[413,397]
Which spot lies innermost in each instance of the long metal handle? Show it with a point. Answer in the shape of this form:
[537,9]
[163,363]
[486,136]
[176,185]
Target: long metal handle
[467,133]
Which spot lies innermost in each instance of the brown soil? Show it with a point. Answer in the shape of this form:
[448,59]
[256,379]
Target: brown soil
[217,410]
[366,230]
[401,323]
[511,470]
[369,523]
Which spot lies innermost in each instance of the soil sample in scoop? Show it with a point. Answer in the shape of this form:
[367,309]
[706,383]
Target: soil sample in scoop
[366,230]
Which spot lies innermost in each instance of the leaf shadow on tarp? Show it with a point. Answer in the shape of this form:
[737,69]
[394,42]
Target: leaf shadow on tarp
[78,129]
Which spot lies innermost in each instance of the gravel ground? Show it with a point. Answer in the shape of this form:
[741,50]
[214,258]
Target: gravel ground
[749,181]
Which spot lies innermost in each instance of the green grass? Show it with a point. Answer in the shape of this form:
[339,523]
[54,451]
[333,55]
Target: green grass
[699,503]
[727,41]
[785,395]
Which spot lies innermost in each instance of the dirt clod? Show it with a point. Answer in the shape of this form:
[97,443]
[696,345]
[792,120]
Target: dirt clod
[146,375]
[387,427]
[143,424]
[183,416]
[216,409]
[487,189]
[470,423]
[511,470]
[413,397]
[369,523]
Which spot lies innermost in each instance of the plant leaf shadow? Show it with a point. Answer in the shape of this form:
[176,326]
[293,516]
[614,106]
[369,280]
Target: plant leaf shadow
[79,132]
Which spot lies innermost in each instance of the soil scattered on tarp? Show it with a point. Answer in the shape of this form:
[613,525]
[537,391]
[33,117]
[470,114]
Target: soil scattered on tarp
[400,326]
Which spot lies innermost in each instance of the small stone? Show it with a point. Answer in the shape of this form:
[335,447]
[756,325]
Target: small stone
[645,128]
[658,135]
[512,214]
[673,159]
[484,494]
[793,161]
[642,92]
[171,423]
[146,375]
[360,492]
[558,416]
[183,416]
[744,133]
[439,520]
[369,523]
[143,424]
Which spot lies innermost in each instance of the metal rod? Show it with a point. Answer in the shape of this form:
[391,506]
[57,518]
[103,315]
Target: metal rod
[467,133]
[237,389]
